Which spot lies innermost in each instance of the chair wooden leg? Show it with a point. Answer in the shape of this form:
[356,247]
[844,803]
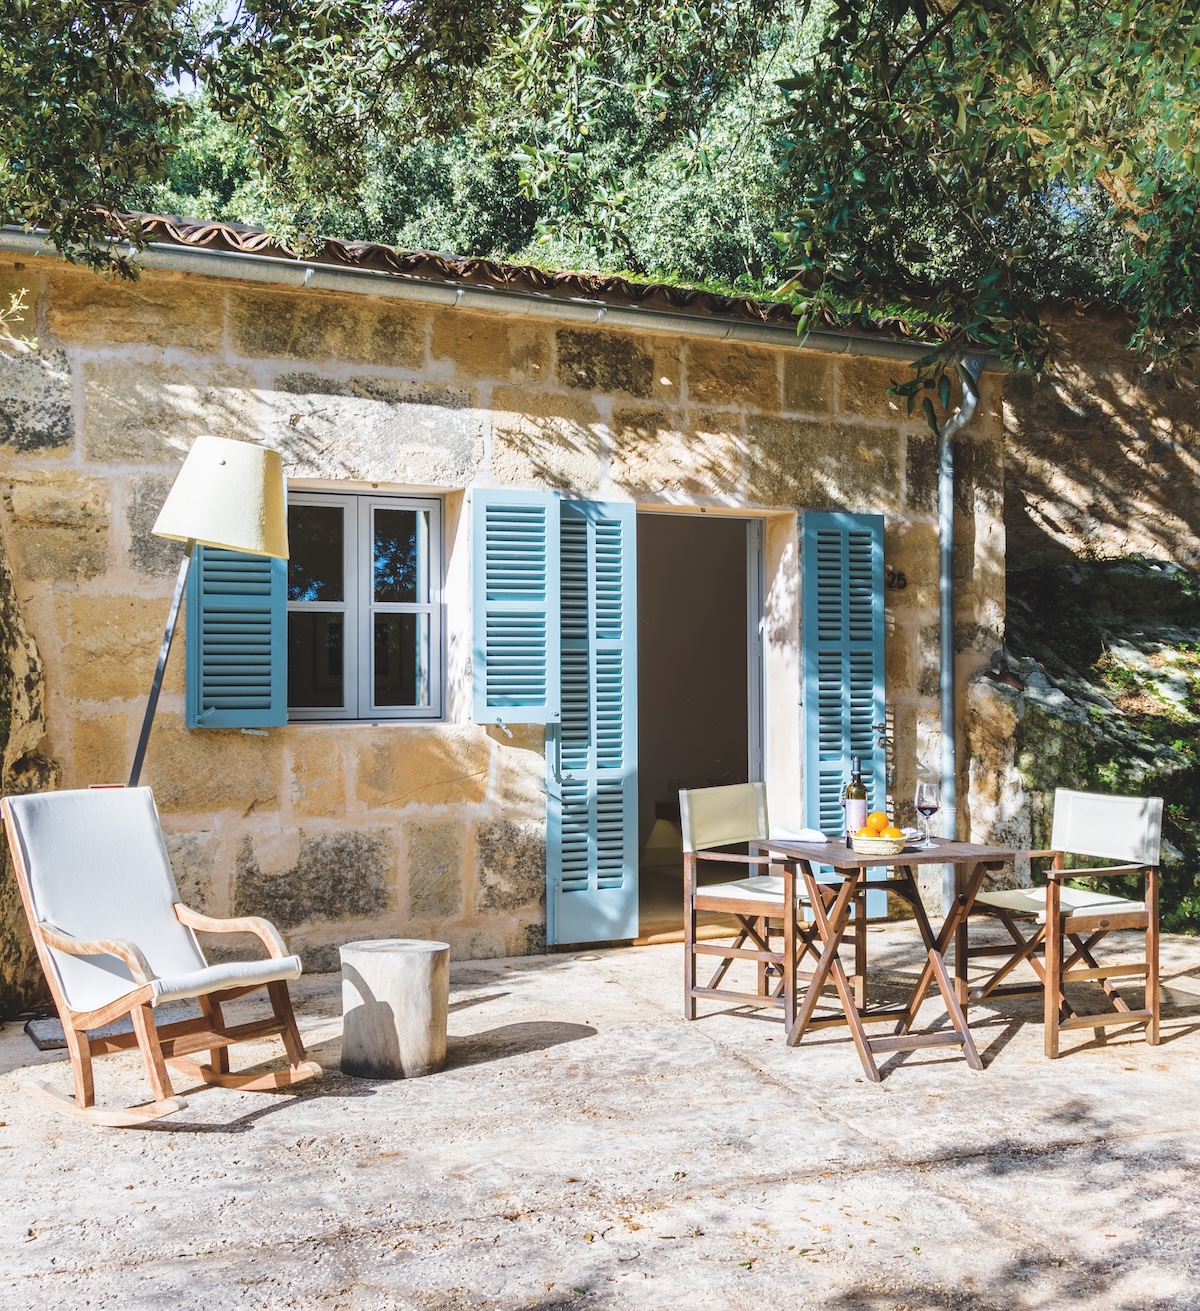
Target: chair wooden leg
[1053,968]
[860,951]
[218,1057]
[689,936]
[156,1066]
[1152,990]
[80,1049]
[293,1044]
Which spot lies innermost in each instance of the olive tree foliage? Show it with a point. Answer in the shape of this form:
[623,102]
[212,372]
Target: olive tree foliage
[961,160]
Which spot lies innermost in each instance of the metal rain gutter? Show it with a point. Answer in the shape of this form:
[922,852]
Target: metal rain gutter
[299,274]
[969,369]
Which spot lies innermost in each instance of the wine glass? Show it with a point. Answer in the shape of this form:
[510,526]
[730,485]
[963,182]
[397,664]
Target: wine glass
[928,803]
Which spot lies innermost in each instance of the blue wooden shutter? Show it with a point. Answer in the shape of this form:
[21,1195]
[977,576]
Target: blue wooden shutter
[592,849]
[515,607]
[842,620]
[236,640]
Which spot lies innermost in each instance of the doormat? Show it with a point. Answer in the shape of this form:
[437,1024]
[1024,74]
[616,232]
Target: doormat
[47,1035]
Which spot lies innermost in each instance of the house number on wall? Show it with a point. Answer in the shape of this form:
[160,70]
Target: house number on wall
[896,581]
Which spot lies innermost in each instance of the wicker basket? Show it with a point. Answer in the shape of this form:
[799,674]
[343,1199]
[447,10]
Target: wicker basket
[878,846]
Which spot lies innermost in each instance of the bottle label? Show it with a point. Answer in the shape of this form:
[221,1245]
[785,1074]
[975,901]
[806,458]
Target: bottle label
[856,815]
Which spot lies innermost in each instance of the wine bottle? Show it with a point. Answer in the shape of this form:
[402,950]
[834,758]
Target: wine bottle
[855,799]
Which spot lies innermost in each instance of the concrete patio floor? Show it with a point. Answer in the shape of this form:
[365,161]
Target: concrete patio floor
[587,1147]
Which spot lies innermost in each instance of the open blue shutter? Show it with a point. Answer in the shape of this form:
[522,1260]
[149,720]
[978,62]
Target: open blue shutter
[515,607]
[842,620]
[592,851]
[236,640]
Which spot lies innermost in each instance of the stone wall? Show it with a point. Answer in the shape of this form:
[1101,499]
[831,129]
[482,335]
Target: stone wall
[433,829]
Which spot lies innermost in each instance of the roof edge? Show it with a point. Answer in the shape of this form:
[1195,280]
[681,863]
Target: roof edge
[317,275]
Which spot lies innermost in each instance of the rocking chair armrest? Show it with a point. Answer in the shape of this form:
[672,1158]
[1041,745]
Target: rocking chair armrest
[1038,855]
[128,952]
[1062,875]
[263,929]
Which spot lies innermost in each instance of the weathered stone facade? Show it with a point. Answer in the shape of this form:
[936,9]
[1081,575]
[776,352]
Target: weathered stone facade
[338,831]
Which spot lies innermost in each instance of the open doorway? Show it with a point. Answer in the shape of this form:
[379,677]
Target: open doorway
[699,604]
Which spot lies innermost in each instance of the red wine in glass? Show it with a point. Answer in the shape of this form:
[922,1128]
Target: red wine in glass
[928,803]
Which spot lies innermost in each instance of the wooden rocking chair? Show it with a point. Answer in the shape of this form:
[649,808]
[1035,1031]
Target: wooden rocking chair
[1091,825]
[714,818]
[114,939]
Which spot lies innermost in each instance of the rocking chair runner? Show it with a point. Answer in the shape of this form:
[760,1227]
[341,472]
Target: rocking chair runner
[1087,824]
[114,939]
[714,818]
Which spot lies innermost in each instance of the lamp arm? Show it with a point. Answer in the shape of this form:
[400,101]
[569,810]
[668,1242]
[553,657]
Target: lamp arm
[164,651]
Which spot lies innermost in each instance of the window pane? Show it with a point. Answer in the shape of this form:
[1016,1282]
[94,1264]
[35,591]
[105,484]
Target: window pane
[315,677]
[401,564]
[401,660]
[315,570]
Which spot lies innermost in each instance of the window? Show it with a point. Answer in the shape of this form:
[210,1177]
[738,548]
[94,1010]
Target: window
[364,627]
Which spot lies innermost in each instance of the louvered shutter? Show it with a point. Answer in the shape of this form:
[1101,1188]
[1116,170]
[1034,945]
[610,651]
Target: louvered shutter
[842,619]
[515,607]
[592,758]
[236,640]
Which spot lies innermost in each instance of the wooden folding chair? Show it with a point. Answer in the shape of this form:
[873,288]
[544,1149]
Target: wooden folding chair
[716,818]
[1089,825]
[114,939]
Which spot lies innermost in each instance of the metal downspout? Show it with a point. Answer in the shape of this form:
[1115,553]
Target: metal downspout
[969,369]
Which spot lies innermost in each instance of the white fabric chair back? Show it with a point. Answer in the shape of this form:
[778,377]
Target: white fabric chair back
[719,817]
[98,868]
[1128,829]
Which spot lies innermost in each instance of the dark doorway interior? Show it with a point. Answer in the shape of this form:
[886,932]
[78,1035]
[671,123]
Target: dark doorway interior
[693,693]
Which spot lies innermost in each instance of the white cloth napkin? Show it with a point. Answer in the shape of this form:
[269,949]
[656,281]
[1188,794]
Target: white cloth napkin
[799,835]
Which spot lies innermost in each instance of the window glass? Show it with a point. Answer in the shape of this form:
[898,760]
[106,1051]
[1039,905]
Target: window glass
[401,555]
[316,535]
[401,659]
[316,642]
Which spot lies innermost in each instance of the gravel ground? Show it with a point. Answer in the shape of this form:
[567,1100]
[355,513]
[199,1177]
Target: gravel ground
[587,1147]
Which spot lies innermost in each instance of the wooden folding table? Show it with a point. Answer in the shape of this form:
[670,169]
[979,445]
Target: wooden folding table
[831,907]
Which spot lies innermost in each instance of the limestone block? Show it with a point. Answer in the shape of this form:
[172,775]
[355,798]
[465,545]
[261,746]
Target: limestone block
[436,866]
[102,750]
[30,282]
[310,325]
[929,658]
[545,439]
[199,770]
[668,369]
[898,656]
[193,856]
[599,361]
[148,412]
[112,644]
[395,1000]
[60,523]
[729,373]
[316,770]
[807,382]
[427,765]
[491,346]
[657,450]
[510,864]
[376,429]
[912,549]
[35,400]
[337,876]
[157,557]
[862,389]
[523,772]
[159,309]
[801,463]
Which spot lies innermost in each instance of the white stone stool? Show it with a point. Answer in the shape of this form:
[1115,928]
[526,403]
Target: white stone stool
[395,996]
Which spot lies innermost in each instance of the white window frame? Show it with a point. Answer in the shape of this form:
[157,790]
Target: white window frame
[360,607]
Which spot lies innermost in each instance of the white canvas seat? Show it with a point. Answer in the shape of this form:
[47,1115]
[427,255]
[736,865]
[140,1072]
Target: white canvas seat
[712,820]
[114,938]
[1088,825]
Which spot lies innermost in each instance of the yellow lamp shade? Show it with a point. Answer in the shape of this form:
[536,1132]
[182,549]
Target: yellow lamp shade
[228,494]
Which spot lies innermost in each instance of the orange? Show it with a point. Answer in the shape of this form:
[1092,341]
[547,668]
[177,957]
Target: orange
[892,832]
[877,820]
[866,833]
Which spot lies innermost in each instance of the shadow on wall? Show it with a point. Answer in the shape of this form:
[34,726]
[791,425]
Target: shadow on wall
[1103,459]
